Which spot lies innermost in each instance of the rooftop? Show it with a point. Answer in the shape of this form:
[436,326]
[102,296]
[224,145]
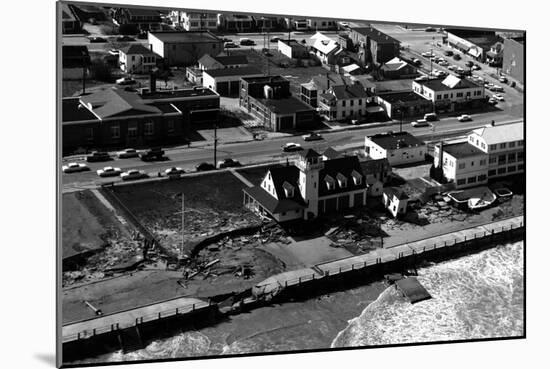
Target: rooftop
[501,133]
[449,83]
[185,37]
[462,150]
[395,140]
[395,64]
[227,72]
[72,111]
[265,79]
[137,49]
[394,85]
[66,13]
[287,105]
[231,59]
[401,97]
[182,93]
[324,44]
[375,35]
[397,192]
[345,166]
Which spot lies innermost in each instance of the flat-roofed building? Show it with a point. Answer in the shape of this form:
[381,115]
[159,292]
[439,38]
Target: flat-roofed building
[504,145]
[404,104]
[184,48]
[451,93]
[374,46]
[462,163]
[398,147]
[226,81]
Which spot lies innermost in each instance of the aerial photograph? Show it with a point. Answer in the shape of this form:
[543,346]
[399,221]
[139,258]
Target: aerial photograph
[243,183]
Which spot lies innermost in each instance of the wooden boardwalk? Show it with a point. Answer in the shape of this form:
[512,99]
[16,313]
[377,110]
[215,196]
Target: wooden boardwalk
[129,318]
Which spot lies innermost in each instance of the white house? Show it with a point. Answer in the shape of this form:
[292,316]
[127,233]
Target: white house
[451,92]
[399,148]
[226,81]
[343,102]
[313,186]
[395,200]
[504,145]
[324,48]
[137,58]
[462,163]
[194,21]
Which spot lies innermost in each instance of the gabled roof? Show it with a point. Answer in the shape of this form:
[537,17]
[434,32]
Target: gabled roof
[270,203]
[137,49]
[309,153]
[208,61]
[397,192]
[451,81]
[330,153]
[344,166]
[348,92]
[501,133]
[323,82]
[113,102]
[350,68]
[394,64]
[73,111]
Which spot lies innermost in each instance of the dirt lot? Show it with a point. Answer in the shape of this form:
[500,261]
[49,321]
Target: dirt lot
[213,204]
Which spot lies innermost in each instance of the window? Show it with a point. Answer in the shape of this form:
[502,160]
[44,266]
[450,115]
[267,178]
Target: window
[483,162]
[501,159]
[477,142]
[492,147]
[89,134]
[483,146]
[342,180]
[520,143]
[115,131]
[511,169]
[468,94]
[492,172]
[133,57]
[512,145]
[459,94]
[445,96]
[148,131]
[473,164]
[461,182]
[343,103]
[438,97]
[521,167]
[461,165]
[520,156]
[503,145]
[511,158]
[132,132]
[471,179]
[351,103]
[481,178]
[359,102]
[501,170]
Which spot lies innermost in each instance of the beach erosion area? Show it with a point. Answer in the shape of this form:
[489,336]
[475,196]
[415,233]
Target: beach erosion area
[475,296]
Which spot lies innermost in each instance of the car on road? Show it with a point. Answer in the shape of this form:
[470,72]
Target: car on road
[492,101]
[133,174]
[452,67]
[476,67]
[417,61]
[448,53]
[96,39]
[444,63]
[174,172]
[109,172]
[427,54]
[74,167]
[152,154]
[230,45]
[420,123]
[125,81]
[503,79]
[430,117]
[430,29]
[127,153]
[497,88]
[275,39]
[421,78]
[291,146]
[203,167]
[246,42]
[498,97]
[97,156]
[228,163]
[312,137]
[456,57]
[125,39]
[464,118]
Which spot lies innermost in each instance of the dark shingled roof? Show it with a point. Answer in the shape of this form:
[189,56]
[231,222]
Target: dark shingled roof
[309,153]
[227,72]
[374,166]
[72,111]
[137,49]
[270,203]
[290,174]
[397,192]
[232,59]
[288,105]
[391,141]
[375,35]
[186,37]
[349,92]
[345,166]
[462,150]
[115,102]
[401,97]
[330,153]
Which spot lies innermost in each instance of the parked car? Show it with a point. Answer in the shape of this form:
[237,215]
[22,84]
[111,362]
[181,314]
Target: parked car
[430,117]
[230,45]
[444,63]
[291,146]
[464,118]
[128,153]
[476,67]
[152,154]
[109,172]
[203,167]
[456,57]
[98,156]
[427,54]
[452,67]
[125,39]
[312,137]
[498,88]
[498,97]
[430,29]
[420,123]
[246,42]
[503,79]
[74,167]
[417,61]
[133,174]
[492,101]
[503,193]
[448,53]
[174,172]
[96,39]
[228,163]
[225,39]
[275,39]
[125,81]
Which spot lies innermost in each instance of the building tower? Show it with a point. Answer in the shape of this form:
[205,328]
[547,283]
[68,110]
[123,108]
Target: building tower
[310,164]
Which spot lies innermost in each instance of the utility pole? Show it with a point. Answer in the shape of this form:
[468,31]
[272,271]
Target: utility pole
[83,73]
[182,225]
[215,144]
[401,123]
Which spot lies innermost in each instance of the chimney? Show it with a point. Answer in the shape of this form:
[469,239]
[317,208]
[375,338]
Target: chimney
[152,83]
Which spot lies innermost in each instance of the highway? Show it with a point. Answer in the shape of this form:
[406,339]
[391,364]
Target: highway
[265,151]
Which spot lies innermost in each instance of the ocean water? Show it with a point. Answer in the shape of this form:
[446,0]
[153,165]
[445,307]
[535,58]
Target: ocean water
[476,296]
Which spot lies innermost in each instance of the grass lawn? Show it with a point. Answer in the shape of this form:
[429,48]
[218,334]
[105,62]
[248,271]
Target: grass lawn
[213,203]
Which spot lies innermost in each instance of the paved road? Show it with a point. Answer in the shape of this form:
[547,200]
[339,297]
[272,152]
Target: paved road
[263,151]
